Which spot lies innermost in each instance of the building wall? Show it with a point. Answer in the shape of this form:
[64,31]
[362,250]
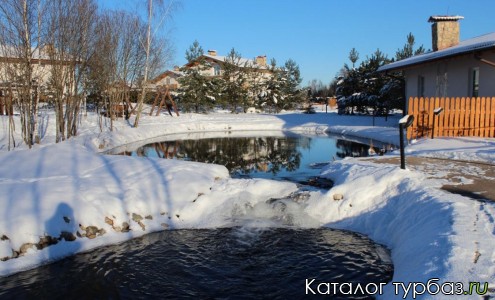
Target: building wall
[458,79]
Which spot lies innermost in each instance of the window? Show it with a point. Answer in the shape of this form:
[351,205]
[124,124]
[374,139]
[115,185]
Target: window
[442,85]
[475,82]
[421,86]
[216,70]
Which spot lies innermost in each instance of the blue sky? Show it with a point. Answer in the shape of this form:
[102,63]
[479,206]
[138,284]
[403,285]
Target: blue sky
[317,34]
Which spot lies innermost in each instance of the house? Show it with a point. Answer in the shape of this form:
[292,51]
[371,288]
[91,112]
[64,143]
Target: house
[167,79]
[453,68]
[217,63]
[13,79]
[450,90]
[215,68]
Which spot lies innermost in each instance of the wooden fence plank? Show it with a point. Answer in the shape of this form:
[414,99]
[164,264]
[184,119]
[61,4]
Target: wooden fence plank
[472,114]
[482,117]
[467,111]
[441,119]
[450,116]
[477,117]
[492,117]
[462,116]
[436,102]
[487,116]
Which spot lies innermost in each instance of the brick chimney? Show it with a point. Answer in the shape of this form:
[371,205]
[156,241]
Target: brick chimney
[212,52]
[445,31]
[261,60]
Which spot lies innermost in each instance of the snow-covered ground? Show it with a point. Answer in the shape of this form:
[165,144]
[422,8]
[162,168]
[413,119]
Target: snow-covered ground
[71,194]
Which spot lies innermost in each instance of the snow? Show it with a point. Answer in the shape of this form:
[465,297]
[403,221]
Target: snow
[431,233]
[479,43]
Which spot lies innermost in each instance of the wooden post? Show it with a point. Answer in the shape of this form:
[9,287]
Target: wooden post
[154,102]
[162,101]
[173,103]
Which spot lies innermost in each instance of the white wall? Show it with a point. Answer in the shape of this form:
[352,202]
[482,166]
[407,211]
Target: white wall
[458,71]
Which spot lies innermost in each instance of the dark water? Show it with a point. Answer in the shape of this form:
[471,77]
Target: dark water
[226,263]
[242,262]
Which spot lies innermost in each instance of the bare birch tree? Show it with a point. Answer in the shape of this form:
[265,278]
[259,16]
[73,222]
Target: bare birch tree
[21,39]
[156,16]
[69,34]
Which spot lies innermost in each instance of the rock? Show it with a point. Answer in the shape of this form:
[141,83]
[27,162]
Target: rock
[91,230]
[4,238]
[125,227]
[4,258]
[337,197]
[164,225]
[142,226]
[117,228]
[25,247]
[15,254]
[136,218]
[66,219]
[91,236]
[46,241]
[68,236]
[109,221]
[148,217]
[80,235]
[82,227]
[101,232]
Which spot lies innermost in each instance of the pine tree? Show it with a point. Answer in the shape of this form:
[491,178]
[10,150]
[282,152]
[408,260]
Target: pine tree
[197,92]
[353,56]
[272,90]
[194,52]
[234,81]
[291,79]
[408,49]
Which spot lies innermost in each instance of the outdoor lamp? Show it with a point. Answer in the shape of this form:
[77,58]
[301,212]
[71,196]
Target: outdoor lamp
[436,112]
[404,123]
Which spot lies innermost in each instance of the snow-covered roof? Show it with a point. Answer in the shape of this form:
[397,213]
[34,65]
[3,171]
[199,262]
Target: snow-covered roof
[483,42]
[243,61]
[445,18]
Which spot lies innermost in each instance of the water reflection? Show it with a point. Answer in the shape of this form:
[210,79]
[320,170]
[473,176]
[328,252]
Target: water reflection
[277,157]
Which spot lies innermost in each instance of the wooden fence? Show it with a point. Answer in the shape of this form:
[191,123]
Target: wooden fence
[460,117]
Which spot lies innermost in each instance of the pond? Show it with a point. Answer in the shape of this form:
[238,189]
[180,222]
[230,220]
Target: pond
[252,259]
[292,157]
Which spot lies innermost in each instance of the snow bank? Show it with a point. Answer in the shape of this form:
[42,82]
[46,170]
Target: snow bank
[64,191]
[432,234]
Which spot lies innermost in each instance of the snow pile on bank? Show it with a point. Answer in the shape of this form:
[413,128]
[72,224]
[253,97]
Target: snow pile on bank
[459,148]
[63,199]
[432,234]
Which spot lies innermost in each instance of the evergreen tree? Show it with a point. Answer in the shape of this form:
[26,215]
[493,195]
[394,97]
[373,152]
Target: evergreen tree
[353,56]
[234,81]
[408,49]
[194,52]
[393,91]
[272,91]
[290,79]
[197,92]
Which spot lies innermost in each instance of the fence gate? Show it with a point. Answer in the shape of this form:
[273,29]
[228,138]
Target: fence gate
[460,117]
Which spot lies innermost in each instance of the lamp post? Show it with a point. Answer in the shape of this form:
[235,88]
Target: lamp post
[404,123]
[436,112]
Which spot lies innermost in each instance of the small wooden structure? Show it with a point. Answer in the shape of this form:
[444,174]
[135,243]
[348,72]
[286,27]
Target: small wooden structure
[164,94]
